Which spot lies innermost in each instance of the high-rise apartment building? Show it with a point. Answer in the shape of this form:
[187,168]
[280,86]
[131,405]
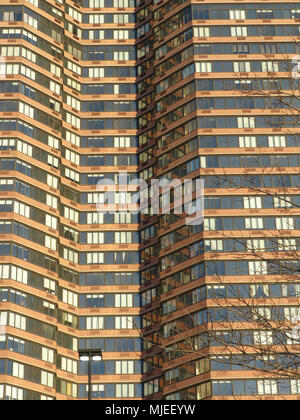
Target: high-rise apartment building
[168,90]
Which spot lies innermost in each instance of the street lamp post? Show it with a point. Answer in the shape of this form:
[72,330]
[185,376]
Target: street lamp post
[90,356]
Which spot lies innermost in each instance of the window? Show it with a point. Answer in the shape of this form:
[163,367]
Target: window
[30,21]
[97,391]
[210,224]
[267,387]
[22,209]
[295,383]
[291,313]
[73,84]
[69,320]
[121,142]
[51,201]
[70,255]
[238,31]
[241,66]
[100,34]
[75,14]
[6,205]
[26,110]
[122,3]
[50,286]
[69,365]
[252,202]
[243,84]
[269,66]
[214,245]
[75,68]
[27,72]
[9,69]
[69,297]
[125,391]
[72,175]
[95,198]
[11,16]
[282,202]
[95,258]
[124,367]
[52,181]
[3,319]
[295,13]
[264,13]
[95,218]
[96,4]
[151,387]
[255,245]
[121,18]
[11,393]
[277,141]
[56,70]
[73,157]
[94,322]
[123,322]
[72,138]
[19,274]
[201,366]
[247,141]
[52,161]
[246,122]
[262,312]
[257,268]
[7,144]
[48,308]
[120,56]
[50,242]
[263,338]
[123,300]
[29,55]
[71,214]
[254,223]
[237,14]
[95,238]
[204,390]
[73,102]
[18,370]
[6,184]
[123,237]
[72,120]
[51,221]
[10,51]
[96,19]
[203,67]
[23,167]
[201,32]
[284,223]
[47,379]
[67,388]
[24,148]
[287,245]
[53,142]
[122,218]
[95,72]
[17,321]
[16,345]
[47,355]
[55,87]
[4,271]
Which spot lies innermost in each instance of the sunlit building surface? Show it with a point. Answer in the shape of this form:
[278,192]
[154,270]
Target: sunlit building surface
[90,89]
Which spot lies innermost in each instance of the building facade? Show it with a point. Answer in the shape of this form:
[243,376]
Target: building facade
[168,90]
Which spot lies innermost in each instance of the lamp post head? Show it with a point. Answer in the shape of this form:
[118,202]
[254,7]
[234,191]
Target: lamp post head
[86,355]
